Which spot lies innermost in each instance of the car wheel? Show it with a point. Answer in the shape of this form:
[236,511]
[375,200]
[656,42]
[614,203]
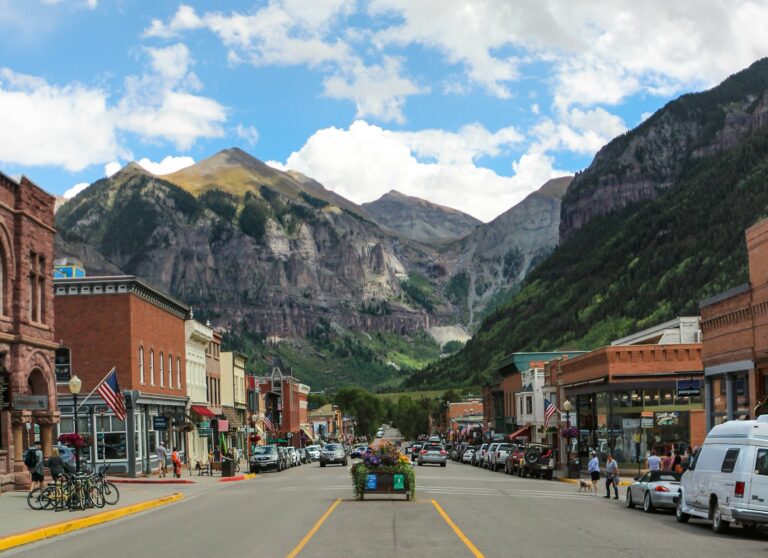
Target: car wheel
[549,475]
[648,504]
[719,525]
[344,463]
[680,515]
[443,464]
[420,463]
[322,464]
[628,501]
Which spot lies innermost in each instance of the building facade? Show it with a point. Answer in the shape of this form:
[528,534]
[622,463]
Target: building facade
[285,399]
[198,338]
[233,400]
[122,322]
[27,341]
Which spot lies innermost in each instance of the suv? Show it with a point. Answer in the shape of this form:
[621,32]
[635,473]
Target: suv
[333,453]
[499,457]
[477,458]
[538,461]
[488,456]
[265,458]
[432,453]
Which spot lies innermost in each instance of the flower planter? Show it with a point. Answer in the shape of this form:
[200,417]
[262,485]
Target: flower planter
[385,482]
[385,471]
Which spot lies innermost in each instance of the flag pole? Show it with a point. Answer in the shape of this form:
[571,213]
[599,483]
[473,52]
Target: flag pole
[97,387]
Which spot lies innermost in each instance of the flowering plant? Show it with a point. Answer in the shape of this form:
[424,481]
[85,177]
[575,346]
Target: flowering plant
[74,440]
[570,432]
[385,459]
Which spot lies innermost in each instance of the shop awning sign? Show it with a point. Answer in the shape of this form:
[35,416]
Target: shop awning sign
[30,402]
[688,388]
[159,423]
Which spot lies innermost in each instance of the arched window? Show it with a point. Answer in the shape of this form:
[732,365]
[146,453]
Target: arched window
[141,364]
[170,370]
[152,366]
[162,368]
[178,373]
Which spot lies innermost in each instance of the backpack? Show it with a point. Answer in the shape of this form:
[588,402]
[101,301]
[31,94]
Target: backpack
[30,458]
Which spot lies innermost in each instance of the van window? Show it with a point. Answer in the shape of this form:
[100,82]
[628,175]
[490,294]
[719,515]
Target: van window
[729,461]
[693,459]
[761,463]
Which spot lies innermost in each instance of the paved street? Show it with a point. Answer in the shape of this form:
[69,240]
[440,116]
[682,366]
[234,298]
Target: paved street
[500,515]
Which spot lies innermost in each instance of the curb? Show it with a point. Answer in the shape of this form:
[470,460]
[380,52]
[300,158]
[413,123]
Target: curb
[576,481]
[148,481]
[57,529]
[246,476]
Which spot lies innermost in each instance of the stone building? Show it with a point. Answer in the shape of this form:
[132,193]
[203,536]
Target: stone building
[27,341]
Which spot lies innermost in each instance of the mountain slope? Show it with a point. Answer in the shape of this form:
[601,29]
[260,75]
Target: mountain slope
[419,219]
[633,267]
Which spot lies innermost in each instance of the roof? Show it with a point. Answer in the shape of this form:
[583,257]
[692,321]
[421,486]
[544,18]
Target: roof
[740,432]
[724,295]
[517,362]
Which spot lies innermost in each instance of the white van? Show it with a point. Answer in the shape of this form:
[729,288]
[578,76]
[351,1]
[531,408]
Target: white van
[727,481]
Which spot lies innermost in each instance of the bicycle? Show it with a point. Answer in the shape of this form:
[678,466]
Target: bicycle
[109,491]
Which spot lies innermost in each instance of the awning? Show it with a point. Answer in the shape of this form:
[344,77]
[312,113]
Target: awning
[524,432]
[202,411]
[308,432]
[231,415]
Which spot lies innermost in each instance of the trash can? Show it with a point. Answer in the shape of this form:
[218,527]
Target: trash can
[573,469]
[227,468]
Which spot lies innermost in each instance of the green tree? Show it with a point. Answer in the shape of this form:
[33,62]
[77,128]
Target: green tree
[367,409]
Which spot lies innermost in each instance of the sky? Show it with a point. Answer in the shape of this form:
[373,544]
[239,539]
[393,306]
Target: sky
[471,104]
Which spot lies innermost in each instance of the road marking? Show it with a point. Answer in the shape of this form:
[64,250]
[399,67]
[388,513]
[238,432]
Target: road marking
[315,527]
[472,548]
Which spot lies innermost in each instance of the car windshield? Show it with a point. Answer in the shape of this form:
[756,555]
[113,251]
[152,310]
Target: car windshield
[332,447]
[263,450]
[665,477]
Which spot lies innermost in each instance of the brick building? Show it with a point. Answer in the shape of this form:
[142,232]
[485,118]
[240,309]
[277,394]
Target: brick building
[734,327]
[285,400]
[27,340]
[125,323]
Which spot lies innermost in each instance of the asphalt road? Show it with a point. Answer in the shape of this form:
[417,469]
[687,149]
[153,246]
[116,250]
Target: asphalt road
[496,514]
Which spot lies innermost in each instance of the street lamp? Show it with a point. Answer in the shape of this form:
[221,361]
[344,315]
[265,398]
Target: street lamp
[74,388]
[567,407]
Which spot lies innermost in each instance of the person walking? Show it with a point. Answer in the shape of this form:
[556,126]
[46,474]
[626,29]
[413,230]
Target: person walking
[162,456]
[57,465]
[176,460]
[593,467]
[34,461]
[654,462]
[611,478]
[666,462]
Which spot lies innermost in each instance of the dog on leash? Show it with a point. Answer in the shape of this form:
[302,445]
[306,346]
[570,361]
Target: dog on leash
[585,486]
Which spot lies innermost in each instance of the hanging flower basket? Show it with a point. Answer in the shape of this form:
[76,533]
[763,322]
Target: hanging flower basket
[570,432]
[73,440]
[385,471]
[187,426]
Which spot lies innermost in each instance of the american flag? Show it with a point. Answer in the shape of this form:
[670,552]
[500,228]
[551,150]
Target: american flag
[110,393]
[549,410]
[268,424]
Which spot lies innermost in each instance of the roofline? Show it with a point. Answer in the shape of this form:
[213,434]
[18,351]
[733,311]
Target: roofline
[744,288]
[657,328]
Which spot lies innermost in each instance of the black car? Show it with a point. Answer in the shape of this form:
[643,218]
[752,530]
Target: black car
[266,458]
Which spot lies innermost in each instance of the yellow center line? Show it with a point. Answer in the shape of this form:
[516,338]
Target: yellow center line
[468,543]
[315,527]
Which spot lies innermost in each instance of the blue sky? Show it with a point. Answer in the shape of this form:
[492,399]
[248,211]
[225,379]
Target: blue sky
[470,104]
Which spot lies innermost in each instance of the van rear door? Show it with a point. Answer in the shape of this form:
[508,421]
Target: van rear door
[757,498]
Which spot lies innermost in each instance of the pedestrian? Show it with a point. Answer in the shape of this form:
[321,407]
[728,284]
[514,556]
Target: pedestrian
[33,459]
[666,462]
[611,478]
[176,460]
[654,462]
[593,467]
[57,465]
[677,463]
[162,456]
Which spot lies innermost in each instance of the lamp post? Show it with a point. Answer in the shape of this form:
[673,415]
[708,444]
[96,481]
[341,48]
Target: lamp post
[567,408]
[74,388]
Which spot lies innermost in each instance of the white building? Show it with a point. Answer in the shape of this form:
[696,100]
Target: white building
[198,337]
[530,404]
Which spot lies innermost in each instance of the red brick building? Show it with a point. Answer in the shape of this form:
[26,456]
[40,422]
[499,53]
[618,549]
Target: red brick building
[27,340]
[125,323]
[734,327]
[285,400]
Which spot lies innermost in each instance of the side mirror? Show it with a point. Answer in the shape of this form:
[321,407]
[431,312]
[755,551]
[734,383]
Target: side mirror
[637,478]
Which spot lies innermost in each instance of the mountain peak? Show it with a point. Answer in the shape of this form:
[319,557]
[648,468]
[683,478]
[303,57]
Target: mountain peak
[556,187]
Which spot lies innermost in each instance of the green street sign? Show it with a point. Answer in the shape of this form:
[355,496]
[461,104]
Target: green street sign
[398,482]
[204,432]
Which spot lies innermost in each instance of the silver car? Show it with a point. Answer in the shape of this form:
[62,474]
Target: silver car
[432,453]
[655,489]
[333,453]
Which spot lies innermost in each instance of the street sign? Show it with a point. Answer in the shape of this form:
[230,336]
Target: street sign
[688,388]
[63,365]
[398,482]
[647,414]
[371,482]
[646,422]
[30,402]
[160,423]
[204,432]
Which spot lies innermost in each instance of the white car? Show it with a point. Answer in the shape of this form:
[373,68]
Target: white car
[727,479]
[314,452]
[468,453]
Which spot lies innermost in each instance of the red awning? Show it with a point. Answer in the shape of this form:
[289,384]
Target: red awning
[202,411]
[525,431]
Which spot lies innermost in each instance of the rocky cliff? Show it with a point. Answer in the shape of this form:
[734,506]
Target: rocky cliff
[419,219]
[644,162]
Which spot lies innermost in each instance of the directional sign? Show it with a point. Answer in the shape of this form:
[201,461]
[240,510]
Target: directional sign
[398,481]
[371,482]
[30,402]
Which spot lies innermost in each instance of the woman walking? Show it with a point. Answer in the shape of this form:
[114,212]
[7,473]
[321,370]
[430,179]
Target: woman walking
[594,471]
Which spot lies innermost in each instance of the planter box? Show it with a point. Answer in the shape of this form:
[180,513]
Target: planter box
[386,483]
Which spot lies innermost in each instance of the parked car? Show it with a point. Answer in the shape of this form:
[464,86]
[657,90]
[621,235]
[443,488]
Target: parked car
[539,461]
[457,452]
[727,479]
[333,453]
[499,457]
[303,455]
[477,458]
[67,455]
[468,454]
[655,489]
[489,455]
[434,454]
[293,457]
[284,457]
[414,449]
[515,459]
[358,451]
[314,452]
[265,458]
[434,440]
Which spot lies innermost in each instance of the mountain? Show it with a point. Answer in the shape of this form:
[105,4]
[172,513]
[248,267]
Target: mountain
[419,219]
[635,259]
[487,266]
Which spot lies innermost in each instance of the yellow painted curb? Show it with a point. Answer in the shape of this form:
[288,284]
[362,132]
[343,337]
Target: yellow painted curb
[576,481]
[57,529]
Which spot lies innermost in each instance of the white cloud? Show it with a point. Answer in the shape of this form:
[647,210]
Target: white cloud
[75,190]
[90,4]
[111,168]
[578,131]
[365,161]
[247,133]
[168,165]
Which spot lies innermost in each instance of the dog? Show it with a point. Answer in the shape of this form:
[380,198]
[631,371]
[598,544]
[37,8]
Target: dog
[585,486]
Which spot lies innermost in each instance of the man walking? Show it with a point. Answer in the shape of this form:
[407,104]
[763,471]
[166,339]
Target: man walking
[162,455]
[611,478]
[593,467]
[33,459]
[654,462]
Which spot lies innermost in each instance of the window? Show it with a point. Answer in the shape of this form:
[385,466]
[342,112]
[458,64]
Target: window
[162,371]
[729,462]
[178,372]
[2,283]
[152,366]
[692,461]
[761,464]
[170,371]
[141,364]
[528,405]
